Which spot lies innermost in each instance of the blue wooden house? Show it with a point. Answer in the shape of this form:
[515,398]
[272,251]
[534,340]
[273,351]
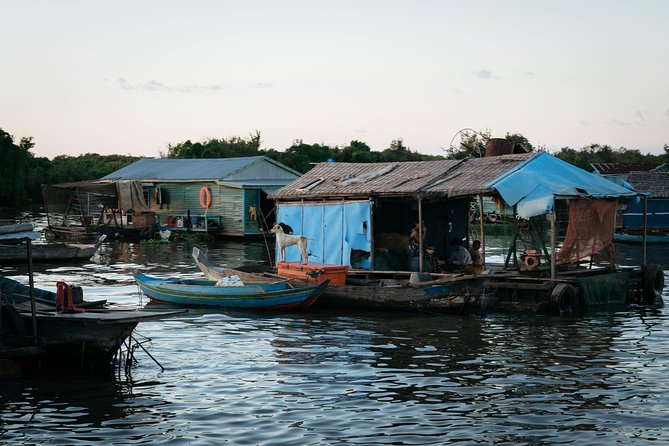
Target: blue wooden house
[223,195]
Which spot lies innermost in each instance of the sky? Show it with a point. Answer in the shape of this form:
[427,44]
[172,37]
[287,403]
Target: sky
[131,77]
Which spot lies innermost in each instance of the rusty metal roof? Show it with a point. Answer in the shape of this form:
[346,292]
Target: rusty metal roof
[449,178]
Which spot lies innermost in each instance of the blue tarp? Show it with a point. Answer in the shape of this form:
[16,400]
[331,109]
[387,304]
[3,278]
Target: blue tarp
[533,185]
[335,230]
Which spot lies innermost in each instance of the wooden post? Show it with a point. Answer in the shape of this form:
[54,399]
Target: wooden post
[420,235]
[370,231]
[481,226]
[645,226]
[552,219]
[31,284]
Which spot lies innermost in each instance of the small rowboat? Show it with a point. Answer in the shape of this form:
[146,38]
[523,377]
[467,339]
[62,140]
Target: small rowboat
[276,296]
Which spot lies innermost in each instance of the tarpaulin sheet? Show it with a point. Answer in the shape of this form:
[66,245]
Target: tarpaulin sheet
[533,185]
[335,229]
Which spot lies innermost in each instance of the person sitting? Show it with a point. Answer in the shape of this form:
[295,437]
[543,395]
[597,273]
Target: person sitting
[475,253]
[460,256]
[430,258]
[414,246]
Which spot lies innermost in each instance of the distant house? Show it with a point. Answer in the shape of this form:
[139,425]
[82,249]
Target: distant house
[656,185]
[649,178]
[620,171]
[225,195]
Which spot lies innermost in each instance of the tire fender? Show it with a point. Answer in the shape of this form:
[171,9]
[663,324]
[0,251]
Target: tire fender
[653,284]
[564,298]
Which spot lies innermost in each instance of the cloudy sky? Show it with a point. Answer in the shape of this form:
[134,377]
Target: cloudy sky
[131,77]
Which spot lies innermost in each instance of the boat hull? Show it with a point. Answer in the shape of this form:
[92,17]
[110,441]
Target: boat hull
[458,295]
[256,296]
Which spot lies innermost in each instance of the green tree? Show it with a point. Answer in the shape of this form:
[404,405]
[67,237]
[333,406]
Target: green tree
[217,148]
[399,152]
[357,152]
[14,162]
[472,143]
[302,157]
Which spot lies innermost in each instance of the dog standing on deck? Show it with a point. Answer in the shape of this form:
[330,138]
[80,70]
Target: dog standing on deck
[284,240]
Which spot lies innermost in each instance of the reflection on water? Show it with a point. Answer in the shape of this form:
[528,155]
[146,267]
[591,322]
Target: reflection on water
[324,377]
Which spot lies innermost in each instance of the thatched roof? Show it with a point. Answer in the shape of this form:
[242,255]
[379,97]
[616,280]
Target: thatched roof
[655,183]
[449,178]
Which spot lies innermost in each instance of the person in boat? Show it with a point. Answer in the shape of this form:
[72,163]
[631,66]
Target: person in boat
[414,246]
[475,253]
[460,258]
[430,258]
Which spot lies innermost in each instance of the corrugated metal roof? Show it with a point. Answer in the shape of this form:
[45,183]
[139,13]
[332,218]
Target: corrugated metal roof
[656,184]
[622,168]
[441,177]
[170,169]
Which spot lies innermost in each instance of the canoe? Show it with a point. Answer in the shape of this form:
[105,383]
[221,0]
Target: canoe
[452,293]
[50,252]
[277,296]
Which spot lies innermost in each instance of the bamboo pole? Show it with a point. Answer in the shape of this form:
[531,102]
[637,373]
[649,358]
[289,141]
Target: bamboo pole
[482,235]
[370,231]
[420,235]
[645,226]
[552,218]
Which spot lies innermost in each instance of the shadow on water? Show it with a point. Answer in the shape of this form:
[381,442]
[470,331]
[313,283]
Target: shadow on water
[354,377]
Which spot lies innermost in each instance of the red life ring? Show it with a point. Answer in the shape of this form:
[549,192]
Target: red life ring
[205,198]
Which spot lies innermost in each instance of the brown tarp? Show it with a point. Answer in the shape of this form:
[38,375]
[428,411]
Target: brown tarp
[131,196]
[590,229]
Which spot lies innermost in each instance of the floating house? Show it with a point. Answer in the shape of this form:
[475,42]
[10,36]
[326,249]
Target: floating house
[655,208]
[651,179]
[223,195]
[86,209]
[559,257]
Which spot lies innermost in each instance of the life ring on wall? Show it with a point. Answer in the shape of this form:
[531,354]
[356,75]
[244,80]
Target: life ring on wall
[205,198]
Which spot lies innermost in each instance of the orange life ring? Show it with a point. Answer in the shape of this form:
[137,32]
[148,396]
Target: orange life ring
[205,198]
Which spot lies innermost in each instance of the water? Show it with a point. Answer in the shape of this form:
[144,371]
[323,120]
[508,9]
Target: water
[324,377]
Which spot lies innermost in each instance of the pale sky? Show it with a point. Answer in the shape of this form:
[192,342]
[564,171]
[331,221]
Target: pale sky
[130,77]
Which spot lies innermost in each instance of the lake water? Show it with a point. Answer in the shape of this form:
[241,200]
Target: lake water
[334,378]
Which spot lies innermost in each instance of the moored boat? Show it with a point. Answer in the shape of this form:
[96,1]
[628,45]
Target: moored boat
[277,296]
[10,252]
[381,290]
[67,339]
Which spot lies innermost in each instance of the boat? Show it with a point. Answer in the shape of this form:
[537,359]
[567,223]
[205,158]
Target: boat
[51,252]
[12,252]
[19,292]
[626,237]
[69,338]
[454,293]
[276,296]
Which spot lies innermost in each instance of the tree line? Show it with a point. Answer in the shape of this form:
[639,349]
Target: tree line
[22,173]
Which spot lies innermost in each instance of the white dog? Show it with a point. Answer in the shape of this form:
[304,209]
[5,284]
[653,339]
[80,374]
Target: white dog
[284,240]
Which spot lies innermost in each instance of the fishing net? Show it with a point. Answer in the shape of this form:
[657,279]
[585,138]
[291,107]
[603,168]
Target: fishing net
[590,229]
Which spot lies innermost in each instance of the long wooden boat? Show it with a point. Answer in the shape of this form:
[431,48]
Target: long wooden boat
[276,296]
[71,342]
[50,252]
[381,290]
